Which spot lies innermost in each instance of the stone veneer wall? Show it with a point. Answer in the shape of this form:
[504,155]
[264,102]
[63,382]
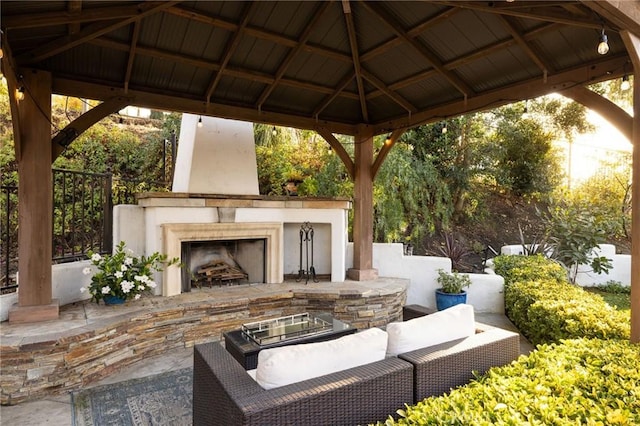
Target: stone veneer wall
[34,367]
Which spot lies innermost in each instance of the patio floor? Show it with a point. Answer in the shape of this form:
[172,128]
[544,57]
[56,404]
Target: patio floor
[57,410]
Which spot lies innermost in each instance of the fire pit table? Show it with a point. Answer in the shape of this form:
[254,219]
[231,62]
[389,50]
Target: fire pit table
[245,344]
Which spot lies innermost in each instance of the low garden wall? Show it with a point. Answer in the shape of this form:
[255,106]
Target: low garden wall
[112,337]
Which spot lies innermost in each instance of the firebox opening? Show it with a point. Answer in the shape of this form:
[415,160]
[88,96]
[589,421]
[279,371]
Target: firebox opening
[223,262]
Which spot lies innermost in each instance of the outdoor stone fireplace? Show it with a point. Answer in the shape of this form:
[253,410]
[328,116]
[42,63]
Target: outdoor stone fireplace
[215,198]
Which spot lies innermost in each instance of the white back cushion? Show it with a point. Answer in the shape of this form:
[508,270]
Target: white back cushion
[294,363]
[453,323]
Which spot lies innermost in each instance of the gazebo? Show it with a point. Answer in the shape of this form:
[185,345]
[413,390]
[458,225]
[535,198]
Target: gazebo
[359,68]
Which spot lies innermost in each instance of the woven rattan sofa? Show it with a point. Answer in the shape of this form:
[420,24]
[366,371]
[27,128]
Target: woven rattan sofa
[439,368]
[224,394]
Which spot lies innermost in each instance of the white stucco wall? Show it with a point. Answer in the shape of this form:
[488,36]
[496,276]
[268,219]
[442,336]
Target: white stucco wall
[620,270]
[486,292]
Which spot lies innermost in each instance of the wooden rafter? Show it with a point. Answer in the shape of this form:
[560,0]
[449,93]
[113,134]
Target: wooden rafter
[132,54]
[339,150]
[560,17]
[435,62]
[447,13]
[353,43]
[544,65]
[89,32]
[380,85]
[384,151]
[230,49]
[304,37]
[334,94]
[258,33]
[74,7]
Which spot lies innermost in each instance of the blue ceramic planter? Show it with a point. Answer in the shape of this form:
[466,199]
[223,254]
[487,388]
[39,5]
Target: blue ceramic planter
[447,300]
[113,300]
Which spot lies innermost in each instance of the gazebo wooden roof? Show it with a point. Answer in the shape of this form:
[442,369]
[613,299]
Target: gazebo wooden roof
[353,67]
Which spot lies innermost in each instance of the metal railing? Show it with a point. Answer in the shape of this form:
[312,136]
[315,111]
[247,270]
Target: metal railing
[82,217]
[8,237]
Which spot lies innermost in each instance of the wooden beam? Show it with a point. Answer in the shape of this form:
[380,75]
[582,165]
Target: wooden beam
[304,38]
[341,86]
[230,49]
[384,151]
[395,26]
[363,209]
[380,85]
[608,68]
[35,209]
[353,43]
[339,150]
[78,126]
[615,115]
[544,65]
[91,31]
[132,54]
[632,43]
[170,101]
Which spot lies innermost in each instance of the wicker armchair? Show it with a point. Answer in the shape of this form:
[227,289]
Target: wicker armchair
[440,368]
[224,394]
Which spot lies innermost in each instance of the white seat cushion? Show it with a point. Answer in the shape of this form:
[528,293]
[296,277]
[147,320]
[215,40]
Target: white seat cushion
[453,323]
[289,364]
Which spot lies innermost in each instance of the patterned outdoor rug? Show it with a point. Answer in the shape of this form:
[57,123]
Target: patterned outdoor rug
[163,399]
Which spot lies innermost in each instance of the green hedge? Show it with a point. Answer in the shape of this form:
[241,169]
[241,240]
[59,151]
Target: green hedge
[528,268]
[546,312]
[578,382]
[546,308]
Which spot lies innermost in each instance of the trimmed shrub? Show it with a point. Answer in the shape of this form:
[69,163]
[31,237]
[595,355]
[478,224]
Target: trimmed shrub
[528,268]
[578,382]
[547,311]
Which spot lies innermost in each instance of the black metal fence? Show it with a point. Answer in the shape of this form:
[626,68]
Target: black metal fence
[82,217]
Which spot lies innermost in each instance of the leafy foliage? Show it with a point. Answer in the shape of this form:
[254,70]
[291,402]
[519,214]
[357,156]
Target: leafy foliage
[580,381]
[573,234]
[453,283]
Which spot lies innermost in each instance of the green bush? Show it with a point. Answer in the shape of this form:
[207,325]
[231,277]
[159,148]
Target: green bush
[578,382]
[547,311]
[528,268]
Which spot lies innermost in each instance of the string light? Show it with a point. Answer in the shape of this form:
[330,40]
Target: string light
[603,46]
[387,141]
[200,122]
[444,129]
[274,131]
[20,93]
[625,85]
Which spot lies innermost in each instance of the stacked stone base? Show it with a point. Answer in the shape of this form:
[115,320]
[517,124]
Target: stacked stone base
[54,363]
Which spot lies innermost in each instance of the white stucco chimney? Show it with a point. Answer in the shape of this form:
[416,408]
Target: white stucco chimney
[217,158]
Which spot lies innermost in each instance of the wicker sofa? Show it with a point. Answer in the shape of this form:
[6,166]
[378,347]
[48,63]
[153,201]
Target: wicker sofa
[439,368]
[224,394]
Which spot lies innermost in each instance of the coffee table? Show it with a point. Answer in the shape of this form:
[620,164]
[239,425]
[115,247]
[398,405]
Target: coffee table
[245,344]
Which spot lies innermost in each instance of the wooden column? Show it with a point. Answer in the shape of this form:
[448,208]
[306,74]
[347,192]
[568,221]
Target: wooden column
[35,301]
[632,44]
[363,209]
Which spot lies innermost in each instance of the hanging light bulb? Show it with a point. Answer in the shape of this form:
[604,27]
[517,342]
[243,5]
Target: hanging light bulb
[625,83]
[603,46]
[387,141]
[444,129]
[200,122]
[274,131]
[20,93]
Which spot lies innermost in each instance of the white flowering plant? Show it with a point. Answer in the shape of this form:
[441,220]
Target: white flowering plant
[123,274]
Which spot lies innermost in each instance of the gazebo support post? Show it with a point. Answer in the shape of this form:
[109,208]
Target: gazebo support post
[363,208]
[632,44]
[35,209]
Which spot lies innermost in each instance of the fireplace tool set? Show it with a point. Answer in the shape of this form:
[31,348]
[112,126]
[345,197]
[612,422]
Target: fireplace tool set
[306,237]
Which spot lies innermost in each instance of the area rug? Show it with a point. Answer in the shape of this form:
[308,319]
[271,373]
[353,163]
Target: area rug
[163,399]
